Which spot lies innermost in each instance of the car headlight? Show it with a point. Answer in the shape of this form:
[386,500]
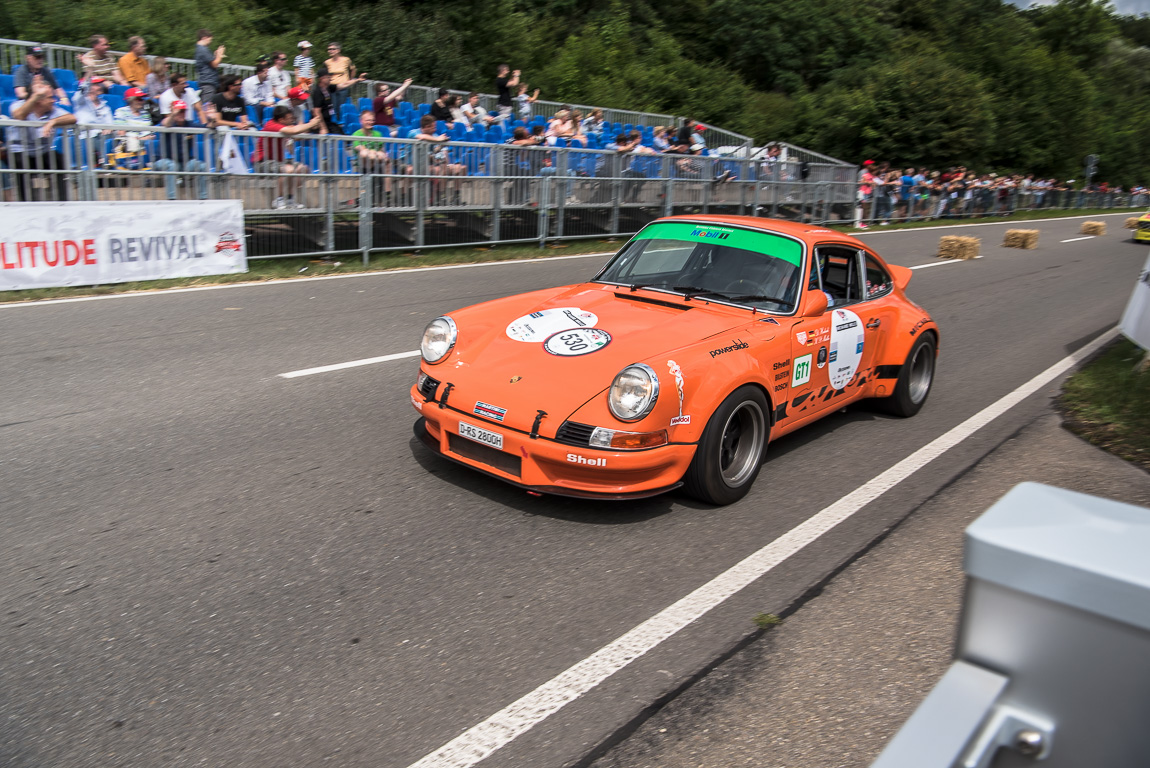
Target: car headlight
[438,339]
[633,393]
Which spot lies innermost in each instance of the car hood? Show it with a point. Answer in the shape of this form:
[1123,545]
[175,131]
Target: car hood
[519,375]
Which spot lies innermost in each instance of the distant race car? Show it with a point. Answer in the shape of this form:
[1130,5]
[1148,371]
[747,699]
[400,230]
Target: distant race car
[702,339]
[1142,231]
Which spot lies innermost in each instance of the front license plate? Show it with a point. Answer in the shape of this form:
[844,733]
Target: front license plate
[479,435]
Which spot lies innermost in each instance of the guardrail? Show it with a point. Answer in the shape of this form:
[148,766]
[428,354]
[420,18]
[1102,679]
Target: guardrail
[420,194]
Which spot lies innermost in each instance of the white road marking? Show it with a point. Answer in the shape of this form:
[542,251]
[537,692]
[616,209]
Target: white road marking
[296,280]
[520,716]
[982,224]
[1076,239]
[352,364]
[940,263]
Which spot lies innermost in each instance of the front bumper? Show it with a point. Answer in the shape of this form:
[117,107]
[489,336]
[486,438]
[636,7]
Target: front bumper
[546,466]
[1142,234]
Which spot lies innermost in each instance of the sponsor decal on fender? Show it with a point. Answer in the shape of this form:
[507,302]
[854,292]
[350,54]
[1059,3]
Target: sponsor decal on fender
[677,372]
[735,345]
[918,326]
[822,358]
[417,403]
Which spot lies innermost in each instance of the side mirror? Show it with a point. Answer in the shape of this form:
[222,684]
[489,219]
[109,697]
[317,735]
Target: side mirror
[814,303]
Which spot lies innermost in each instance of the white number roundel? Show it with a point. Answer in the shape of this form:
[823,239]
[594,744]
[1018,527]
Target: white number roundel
[578,341]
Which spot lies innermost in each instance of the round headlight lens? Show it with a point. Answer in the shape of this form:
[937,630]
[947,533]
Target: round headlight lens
[633,393]
[438,339]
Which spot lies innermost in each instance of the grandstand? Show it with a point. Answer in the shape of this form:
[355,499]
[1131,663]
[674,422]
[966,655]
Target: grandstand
[478,190]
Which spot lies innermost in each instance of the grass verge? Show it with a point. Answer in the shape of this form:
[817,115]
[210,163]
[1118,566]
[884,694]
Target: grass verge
[1108,403]
[260,270]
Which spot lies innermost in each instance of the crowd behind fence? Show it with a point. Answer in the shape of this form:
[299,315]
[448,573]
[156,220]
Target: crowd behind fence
[12,54]
[421,194]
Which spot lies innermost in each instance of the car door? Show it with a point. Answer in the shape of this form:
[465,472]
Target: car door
[877,312]
[809,339]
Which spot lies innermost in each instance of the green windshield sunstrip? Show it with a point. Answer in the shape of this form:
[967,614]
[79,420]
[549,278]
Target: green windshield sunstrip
[751,240]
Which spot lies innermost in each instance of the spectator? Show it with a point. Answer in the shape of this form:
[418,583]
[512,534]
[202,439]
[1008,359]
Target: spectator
[97,62]
[687,135]
[271,155]
[208,64]
[304,66]
[577,136]
[257,89]
[659,138]
[440,109]
[133,66]
[31,148]
[297,103]
[33,68]
[561,126]
[158,79]
[323,102]
[179,91]
[476,115]
[230,105]
[369,155]
[342,71]
[594,122]
[504,82]
[133,111]
[279,77]
[457,116]
[383,105]
[866,187]
[177,151]
[89,106]
[438,161]
[523,103]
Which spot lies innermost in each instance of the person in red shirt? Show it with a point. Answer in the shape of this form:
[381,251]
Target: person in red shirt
[273,155]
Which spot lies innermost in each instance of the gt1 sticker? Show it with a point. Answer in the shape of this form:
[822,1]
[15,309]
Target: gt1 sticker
[802,371]
[846,349]
[538,326]
[577,341]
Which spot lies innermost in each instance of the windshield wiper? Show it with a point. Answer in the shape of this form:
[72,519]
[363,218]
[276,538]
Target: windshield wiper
[759,297]
[691,291]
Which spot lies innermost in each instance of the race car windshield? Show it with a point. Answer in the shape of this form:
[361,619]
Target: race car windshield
[758,269]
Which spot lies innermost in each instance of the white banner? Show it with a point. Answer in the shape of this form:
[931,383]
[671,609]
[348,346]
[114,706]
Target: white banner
[1136,320]
[47,245]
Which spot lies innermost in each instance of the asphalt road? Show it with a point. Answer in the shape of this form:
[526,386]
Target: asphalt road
[204,563]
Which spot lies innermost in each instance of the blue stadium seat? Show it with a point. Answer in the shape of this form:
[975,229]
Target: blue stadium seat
[348,111]
[364,103]
[194,85]
[118,90]
[267,114]
[7,87]
[424,109]
[65,78]
[440,127]
[458,132]
[495,135]
[254,115]
[114,102]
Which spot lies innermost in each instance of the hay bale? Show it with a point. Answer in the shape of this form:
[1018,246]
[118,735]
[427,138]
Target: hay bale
[1131,222]
[958,247]
[1021,238]
[1094,227]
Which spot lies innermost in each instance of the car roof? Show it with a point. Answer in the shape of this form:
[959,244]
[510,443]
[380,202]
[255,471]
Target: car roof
[806,232]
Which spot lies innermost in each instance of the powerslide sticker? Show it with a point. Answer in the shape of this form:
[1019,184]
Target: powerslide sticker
[538,326]
[802,371]
[577,341]
[847,338]
[677,372]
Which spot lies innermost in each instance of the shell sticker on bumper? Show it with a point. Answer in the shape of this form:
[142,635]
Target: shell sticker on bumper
[847,338]
[577,341]
[538,326]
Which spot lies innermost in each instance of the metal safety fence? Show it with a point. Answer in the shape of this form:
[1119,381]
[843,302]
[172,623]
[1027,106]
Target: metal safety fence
[315,195]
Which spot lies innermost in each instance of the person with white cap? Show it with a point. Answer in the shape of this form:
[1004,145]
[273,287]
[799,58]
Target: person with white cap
[304,66]
[178,152]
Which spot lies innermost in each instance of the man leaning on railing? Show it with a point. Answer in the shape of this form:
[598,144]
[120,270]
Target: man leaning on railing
[32,148]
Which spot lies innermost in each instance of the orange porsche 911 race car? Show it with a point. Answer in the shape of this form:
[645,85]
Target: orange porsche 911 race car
[701,340]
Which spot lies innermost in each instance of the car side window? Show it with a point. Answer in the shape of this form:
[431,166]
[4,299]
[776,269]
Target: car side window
[840,275]
[878,282]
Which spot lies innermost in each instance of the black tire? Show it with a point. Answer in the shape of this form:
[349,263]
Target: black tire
[728,457]
[914,380]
